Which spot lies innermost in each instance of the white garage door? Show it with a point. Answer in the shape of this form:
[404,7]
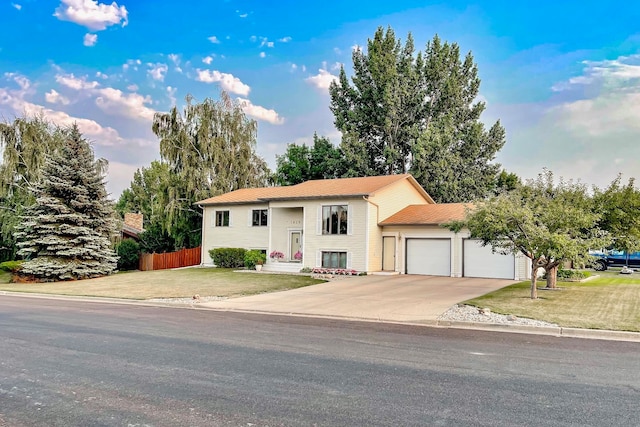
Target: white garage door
[479,261]
[429,256]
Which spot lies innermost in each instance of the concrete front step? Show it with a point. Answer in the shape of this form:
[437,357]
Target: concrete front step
[282,267]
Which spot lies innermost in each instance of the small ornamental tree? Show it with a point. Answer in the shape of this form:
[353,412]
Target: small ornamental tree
[66,234]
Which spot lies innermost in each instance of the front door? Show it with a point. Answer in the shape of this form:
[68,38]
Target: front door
[295,245]
[388,253]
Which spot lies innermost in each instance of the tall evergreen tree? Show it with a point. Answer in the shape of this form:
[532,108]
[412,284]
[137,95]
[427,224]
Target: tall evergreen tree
[24,144]
[404,112]
[66,233]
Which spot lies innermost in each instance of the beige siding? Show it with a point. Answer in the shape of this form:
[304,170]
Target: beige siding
[315,242]
[395,197]
[239,234]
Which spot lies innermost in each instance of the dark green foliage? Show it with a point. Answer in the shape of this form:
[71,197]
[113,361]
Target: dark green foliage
[301,163]
[254,257]
[403,112]
[11,266]
[619,209]
[228,257]
[506,181]
[155,240]
[128,254]
[66,234]
[570,275]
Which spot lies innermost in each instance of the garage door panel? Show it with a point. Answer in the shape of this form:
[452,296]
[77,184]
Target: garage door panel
[480,261]
[429,256]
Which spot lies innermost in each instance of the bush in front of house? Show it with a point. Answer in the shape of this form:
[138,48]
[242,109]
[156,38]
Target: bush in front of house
[254,257]
[11,266]
[228,257]
[128,254]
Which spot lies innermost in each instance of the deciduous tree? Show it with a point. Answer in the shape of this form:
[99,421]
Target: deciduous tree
[24,144]
[619,209]
[404,112]
[546,222]
[210,150]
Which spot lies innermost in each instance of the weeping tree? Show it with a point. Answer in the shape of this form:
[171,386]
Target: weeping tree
[24,143]
[66,234]
[406,112]
[210,150]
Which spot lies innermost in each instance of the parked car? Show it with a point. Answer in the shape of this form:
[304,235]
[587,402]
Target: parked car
[615,258]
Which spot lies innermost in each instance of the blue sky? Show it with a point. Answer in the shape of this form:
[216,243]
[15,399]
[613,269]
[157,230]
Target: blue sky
[563,77]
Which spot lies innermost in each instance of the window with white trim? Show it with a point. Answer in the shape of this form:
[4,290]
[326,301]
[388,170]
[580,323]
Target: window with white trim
[222,218]
[259,217]
[334,259]
[335,219]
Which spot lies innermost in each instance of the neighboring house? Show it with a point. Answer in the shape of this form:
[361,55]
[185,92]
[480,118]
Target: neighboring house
[132,226]
[370,224]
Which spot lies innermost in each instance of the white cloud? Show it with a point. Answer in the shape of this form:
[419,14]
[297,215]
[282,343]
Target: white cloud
[21,80]
[115,102]
[242,15]
[286,39]
[157,71]
[171,93]
[101,75]
[91,14]
[131,63]
[54,97]
[322,80]
[228,82]
[264,42]
[263,55]
[133,87]
[175,58]
[111,101]
[336,66]
[214,40]
[207,60]
[294,67]
[89,128]
[17,6]
[260,113]
[253,39]
[612,103]
[90,39]
[73,82]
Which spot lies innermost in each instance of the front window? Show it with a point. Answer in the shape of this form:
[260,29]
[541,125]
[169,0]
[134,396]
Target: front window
[222,218]
[259,218]
[334,259]
[334,219]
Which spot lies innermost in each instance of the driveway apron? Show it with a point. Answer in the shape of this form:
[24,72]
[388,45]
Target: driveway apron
[399,298]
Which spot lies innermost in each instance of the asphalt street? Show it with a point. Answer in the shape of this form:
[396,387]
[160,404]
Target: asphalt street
[71,363]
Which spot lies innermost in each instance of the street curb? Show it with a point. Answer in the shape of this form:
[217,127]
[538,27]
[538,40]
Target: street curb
[561,332]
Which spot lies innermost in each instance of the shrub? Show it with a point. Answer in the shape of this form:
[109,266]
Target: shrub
[11,266]
[570,275]
[228,257]
[128,254]
[253,257]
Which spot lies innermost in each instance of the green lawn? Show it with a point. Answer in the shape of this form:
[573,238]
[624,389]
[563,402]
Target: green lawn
[167,284]
[610,301]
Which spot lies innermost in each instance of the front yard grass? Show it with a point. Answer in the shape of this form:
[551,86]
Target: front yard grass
[605,302]
[179,283]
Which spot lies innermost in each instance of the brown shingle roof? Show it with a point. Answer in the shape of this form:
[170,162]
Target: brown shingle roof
[315,189]
[435,214]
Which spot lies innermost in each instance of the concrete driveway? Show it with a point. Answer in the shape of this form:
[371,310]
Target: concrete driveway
[399,298]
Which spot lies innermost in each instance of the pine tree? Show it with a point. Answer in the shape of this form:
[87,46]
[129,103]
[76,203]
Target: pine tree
[66,234]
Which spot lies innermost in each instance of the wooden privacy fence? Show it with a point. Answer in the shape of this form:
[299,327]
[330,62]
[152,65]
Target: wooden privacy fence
[181,258]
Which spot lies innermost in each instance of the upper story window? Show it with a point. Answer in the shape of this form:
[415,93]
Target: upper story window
[222,218]
[259,218]
[334,219]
